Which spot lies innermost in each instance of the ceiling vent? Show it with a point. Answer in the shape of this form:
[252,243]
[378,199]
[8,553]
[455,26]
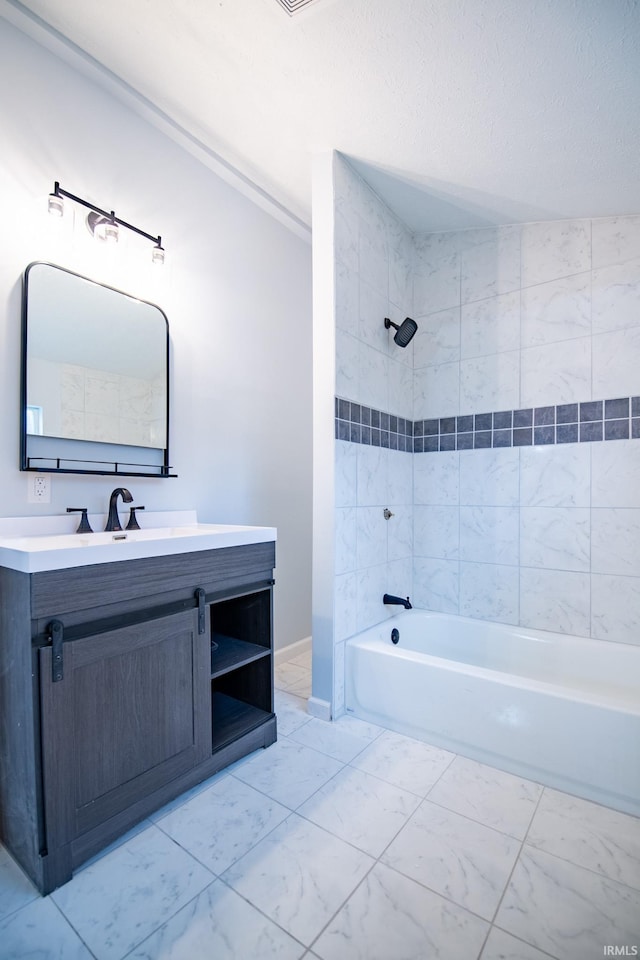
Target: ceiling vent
[295,6]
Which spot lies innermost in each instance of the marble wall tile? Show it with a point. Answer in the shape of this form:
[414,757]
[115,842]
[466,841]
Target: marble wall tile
[372,311]
[490,477]
[615,535]
[556,476]
[616,360]
[616,297]
[346,539]
[72,424]
[615,608]
[553,249]
[373,258]
[400,533]
[136,432]
[436,279]
[490,326]
[557,373]
[558,310]
[400,387]
[489,592]
[400,489]
[615,468]
[347,298]
[371,587]
[436,391]
[390,915]
[435,584]
[555,600]
[347,366]
[437,339]
[347,238]
[346,473]
[401,269]
[71,388]
[345,598]
[557,538]
[399,579]
[338,679]
[437,532]
[101,394]
[490,383]
[615,239]
[135,398]
[373,475]
[590,913]
[101,427]
[373,378]
[372,537]
[489,534]
[489,262]
[436,480]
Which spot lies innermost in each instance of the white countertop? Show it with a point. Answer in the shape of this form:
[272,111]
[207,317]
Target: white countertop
[35,544]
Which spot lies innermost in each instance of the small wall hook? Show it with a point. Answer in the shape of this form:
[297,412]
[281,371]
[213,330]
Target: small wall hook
[387,513]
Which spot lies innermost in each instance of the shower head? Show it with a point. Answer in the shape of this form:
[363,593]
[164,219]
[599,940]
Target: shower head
[404,331]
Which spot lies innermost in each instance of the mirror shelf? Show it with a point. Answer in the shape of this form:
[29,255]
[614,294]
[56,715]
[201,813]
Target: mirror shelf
[95,378]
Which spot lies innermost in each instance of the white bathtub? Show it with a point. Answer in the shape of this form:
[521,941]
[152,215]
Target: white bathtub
[561,710]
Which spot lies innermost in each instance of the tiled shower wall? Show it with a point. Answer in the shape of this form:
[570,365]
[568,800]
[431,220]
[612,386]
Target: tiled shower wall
[374,257]
[518,512]
[530,323]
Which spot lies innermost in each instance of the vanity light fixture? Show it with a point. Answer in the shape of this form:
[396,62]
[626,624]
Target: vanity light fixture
[103,224]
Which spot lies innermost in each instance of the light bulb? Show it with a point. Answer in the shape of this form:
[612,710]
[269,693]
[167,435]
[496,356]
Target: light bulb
[157,254]
[55,205]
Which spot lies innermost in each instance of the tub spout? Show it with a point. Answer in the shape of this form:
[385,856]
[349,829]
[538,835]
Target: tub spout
[400,601]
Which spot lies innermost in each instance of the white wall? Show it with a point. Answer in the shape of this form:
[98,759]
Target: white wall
[236,289]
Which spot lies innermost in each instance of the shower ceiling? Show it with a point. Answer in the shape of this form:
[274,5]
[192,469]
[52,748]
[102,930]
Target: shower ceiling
[458,112]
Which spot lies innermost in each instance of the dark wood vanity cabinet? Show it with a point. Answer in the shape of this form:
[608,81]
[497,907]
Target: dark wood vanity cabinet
[123,685]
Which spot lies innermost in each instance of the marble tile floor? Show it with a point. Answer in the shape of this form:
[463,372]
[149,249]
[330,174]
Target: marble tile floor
[345,841]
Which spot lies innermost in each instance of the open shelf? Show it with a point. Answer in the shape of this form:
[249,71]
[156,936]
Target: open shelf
[232,718]
[232,653]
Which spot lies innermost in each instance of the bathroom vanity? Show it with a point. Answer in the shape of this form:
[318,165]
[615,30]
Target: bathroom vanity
[130,670]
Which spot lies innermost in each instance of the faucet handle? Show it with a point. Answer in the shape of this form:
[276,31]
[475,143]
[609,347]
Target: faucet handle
[133,520]
[84,525]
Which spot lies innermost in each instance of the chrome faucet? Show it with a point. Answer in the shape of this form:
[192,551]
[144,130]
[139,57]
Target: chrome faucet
[389,598]
[113,522]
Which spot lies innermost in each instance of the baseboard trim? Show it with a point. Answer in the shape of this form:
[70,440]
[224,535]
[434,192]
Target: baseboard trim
[319,708]
[292,650]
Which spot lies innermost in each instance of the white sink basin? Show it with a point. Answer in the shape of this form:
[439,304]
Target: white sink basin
[59,551]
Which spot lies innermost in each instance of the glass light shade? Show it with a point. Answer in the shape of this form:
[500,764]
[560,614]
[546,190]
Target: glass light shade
[157,254]
[55,205]
[109,232]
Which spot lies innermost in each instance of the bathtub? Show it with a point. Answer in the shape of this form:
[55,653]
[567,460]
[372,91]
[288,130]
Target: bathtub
[561,710]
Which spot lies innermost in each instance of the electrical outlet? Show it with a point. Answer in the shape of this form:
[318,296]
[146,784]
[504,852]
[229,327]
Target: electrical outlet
[39,490]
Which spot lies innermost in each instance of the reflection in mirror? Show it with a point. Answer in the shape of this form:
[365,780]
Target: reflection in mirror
[95,377]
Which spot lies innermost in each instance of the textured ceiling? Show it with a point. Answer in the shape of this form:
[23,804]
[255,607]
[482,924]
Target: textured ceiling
[458,112]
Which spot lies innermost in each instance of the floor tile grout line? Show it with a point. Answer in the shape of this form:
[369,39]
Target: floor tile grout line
[65,917]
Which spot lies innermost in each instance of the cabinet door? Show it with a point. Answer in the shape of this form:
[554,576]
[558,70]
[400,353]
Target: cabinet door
[132,712]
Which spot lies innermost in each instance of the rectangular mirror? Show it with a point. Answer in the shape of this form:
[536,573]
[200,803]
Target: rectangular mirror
[95,377]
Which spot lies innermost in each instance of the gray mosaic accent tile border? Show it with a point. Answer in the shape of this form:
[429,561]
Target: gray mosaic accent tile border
[595,420]
[361,424]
